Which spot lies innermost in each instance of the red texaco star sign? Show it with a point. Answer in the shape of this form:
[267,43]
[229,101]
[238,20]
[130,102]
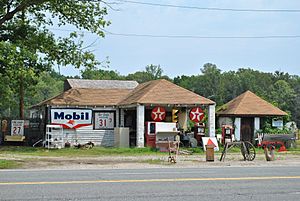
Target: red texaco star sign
[196,114]
[158,114]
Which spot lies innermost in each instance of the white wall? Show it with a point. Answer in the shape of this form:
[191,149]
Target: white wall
[225,121]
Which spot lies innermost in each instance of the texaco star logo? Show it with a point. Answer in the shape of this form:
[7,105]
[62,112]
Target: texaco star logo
[158,114]
[196,114]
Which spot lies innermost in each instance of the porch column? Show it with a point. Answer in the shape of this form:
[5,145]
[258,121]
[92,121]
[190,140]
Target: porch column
[237,129]
[140,122]
[117,117]
[256,124]
[211,120]
[122,117]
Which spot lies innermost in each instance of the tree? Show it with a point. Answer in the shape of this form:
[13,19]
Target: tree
[283,95]
[152,72]
[48,85]
[28,47]
[209,81]
[99,74]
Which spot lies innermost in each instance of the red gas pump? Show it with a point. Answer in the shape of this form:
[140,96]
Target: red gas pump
[227,134]
[199,132]
[150,134]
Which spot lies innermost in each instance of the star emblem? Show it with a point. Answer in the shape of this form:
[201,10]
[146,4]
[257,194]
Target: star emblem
[158,114]
[196,114]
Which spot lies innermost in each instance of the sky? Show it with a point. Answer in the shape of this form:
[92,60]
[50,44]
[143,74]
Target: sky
[185,56]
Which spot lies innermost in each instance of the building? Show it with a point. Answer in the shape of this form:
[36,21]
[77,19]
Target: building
[91,109]
[245,114]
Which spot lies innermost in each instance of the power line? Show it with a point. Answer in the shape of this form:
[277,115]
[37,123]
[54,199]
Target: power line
[188,36]
[211,8]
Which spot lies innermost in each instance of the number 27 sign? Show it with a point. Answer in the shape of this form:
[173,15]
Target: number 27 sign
[17,127]
[104,120]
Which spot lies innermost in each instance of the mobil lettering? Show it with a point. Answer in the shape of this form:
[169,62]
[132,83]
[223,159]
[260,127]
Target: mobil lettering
[72,115]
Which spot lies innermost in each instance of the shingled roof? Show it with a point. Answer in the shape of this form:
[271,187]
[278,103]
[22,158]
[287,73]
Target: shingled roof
[160,92]
[163,92]
[87,97]
[249,104]
[101,84]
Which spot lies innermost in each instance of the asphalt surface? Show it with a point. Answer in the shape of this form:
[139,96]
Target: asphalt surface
[213,183]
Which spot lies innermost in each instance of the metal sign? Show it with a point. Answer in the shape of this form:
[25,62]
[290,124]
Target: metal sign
[158,114]
[104,120]
[210,141]
[277,123]
[71,118]
[196,114]
[17,127]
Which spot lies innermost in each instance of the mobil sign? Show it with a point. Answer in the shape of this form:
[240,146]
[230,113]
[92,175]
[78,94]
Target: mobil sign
[71,118]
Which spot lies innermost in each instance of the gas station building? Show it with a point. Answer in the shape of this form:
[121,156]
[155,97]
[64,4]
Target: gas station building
[94,110]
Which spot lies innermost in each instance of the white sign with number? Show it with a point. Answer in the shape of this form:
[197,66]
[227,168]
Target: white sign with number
[104,120]
[17,127]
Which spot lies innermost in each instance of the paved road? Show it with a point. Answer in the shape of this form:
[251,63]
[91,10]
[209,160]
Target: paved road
[222,183]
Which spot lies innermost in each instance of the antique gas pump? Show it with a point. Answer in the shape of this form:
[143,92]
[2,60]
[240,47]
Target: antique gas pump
[199,132]
[150,134]
[227,134]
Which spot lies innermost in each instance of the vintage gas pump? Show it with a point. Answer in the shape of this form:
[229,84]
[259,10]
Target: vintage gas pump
[227,134]
[150,134]
[199,132]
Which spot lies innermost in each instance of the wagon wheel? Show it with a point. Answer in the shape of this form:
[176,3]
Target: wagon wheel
[248,151]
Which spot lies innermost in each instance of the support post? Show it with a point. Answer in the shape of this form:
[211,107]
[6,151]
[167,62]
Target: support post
[256,124]
[140,122]
[237,129]
[122,117]
[211,120]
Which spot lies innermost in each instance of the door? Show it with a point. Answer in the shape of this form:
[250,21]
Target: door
[247,129]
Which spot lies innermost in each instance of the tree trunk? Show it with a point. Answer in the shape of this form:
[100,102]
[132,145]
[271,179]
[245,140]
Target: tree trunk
[21,97]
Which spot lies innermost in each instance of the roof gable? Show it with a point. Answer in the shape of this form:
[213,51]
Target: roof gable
[249,104]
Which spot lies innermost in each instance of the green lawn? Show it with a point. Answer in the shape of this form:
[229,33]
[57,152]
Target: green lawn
[95,151]
[7,164]
[101,151]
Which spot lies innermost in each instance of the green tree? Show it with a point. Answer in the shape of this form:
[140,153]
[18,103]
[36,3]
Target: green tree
[152,72]
[283,95]
[28,47]
[47,86]
[207,84]
[99,74]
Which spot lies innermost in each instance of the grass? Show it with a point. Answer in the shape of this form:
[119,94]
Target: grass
[95,151]
[101,151]
[7,164]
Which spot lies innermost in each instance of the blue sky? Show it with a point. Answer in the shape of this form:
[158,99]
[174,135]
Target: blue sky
[187,56]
